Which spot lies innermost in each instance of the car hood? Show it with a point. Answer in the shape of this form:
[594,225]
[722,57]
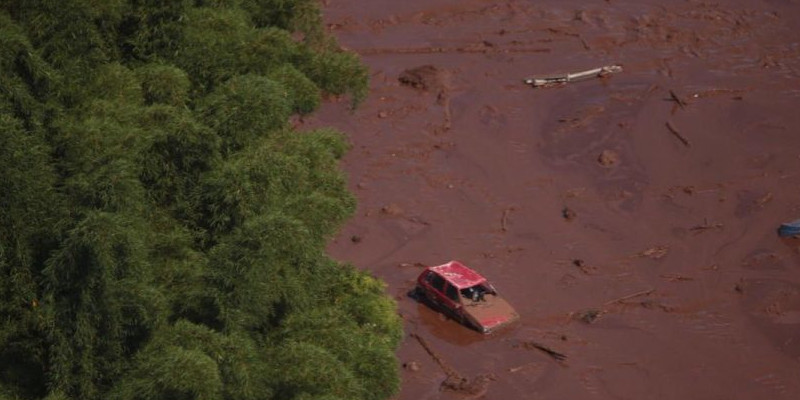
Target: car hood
[491,313]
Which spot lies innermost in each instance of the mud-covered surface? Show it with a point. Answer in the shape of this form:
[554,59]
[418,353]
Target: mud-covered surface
[631,220]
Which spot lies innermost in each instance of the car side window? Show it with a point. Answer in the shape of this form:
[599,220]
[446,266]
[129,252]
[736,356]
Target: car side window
[437,282]
[452,293]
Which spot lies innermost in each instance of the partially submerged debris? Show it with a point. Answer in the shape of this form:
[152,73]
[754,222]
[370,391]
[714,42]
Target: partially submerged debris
[608,158]
[655,252]
[391,209]
[530,344]
[475,387]
[516,369]
[706,226]
[412,366]
[676,278]
[630,296]
[582,265]
[653,304]
[429,77]
[551,80]
[761,201]
[588,316]
[740,286]
[504,218]
[678,100]
[568,214]
[789,229]
[677,134]
[423,77]
[465,295]
[414,265]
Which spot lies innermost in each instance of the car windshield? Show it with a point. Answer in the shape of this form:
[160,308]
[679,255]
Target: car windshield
[475,293]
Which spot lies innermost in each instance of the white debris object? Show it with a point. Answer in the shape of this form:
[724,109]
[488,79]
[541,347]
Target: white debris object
[577,76]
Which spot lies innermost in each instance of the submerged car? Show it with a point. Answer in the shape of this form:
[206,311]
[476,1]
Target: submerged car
[466,296]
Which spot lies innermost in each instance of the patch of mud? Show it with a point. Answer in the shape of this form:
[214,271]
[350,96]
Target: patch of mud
[456,382]
[431,78]
[425,77]
[672,176]
[774,306]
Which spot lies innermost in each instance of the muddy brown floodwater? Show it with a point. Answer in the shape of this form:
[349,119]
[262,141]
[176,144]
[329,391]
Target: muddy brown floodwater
[631,219]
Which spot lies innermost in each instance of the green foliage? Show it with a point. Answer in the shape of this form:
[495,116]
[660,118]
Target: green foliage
[268,49]
[56,395]
[337,72]
[293,374]
[182,274]
[115,83]
[277,13]
[97,158]
[28,198]
[163,230]
[73,36]
[152,29]
[30,207]
[164,84]
[26,77]
[98,302]
[187,360]
[177,151]
[361,348]
[245,108]
[304,93]
[290,172]
[260,270]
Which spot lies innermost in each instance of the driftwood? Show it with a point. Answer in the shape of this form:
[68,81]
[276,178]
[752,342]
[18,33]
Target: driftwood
[678,100]
[550,80]
[550,352]
[588,316]
[677,134]
[630,296]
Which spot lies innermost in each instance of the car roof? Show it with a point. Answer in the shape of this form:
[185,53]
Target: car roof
[459,275]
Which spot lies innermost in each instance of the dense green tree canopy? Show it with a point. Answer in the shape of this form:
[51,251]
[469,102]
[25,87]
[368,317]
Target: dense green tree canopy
[162,227]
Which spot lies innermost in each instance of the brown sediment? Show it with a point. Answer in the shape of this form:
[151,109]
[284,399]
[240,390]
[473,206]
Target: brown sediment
[429,77]
[478,48]
[696,224]
[474,387]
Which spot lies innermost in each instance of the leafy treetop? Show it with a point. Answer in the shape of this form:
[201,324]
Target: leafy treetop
[162,229]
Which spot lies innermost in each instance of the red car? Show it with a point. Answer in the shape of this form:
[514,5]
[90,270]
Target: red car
[465,295]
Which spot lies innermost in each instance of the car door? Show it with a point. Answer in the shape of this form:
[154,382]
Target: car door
[435,293]
[452,299]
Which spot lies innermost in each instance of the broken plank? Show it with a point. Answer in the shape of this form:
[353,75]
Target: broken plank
[630,296]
